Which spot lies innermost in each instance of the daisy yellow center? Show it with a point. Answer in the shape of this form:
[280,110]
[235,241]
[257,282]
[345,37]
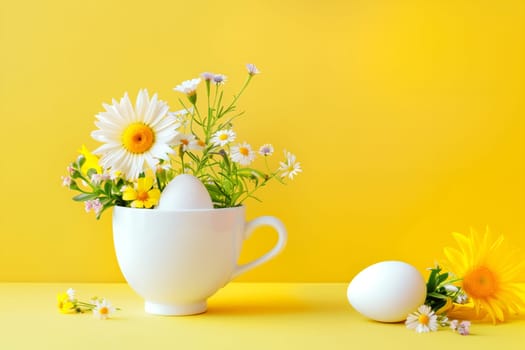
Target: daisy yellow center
[103,310]
[244,151]
[480,283]
[142,195]
[223,137]
[185,142]
[138,138]
[424,319]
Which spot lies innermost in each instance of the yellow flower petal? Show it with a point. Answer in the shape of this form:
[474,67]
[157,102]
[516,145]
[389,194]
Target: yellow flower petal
[154,195]
[464,245]
[455,259]
[144,183]
[137,204]
[466,312]
[129,194]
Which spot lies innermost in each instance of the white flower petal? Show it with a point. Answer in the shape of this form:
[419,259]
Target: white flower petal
[152,162]
[142,103]
[150,111]
[127,108]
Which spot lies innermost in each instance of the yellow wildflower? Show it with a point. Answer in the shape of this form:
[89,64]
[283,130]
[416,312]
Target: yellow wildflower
[143,195]
[91,161]
[65,305]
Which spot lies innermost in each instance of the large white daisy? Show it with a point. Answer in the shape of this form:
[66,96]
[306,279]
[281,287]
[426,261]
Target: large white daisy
[135,138]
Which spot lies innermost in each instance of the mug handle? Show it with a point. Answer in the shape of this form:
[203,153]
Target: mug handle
[281,242]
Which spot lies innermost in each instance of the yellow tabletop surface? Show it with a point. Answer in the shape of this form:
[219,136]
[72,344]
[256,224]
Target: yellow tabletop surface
[239,316]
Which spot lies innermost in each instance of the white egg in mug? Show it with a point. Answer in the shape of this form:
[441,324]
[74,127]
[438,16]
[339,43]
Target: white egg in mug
[185,192]
[387,291]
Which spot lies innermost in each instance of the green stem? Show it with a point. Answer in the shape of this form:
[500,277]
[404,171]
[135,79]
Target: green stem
[181,155]
[86,305]
[246,82]
[250,193]
[210,122]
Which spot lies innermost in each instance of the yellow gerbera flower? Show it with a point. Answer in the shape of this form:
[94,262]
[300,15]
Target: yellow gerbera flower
[143,195]
[490,274]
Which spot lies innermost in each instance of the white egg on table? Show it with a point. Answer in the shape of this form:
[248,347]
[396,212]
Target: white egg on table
[387,291]
[185,192]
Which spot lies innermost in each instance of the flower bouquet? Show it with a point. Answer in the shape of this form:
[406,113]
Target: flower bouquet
[145,146]
[189,167]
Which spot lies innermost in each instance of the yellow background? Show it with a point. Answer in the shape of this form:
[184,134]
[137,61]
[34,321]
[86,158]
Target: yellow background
[407,117]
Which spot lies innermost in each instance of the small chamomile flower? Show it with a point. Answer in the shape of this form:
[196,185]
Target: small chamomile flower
[266,150]
[219,79]
[242,154]
[207,76]
[188,142]
[223,137]
[423,320]
[252,69]
[290,167]
[103,309]
[188,87]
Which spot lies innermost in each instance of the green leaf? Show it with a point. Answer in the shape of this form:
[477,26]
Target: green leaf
[442,278]
[431,284]
[107,188]
[91,172]
[85,197]
[193,157]
[74,186]
[80,161]
[75,174]
[250,172]
[437,296]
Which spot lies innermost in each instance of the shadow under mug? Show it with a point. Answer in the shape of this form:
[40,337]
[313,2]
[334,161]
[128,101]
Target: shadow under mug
[177,259]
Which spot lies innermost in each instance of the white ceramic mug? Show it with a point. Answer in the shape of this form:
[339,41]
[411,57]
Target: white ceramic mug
[177,259]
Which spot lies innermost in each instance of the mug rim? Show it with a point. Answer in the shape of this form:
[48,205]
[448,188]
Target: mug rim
[153,210]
